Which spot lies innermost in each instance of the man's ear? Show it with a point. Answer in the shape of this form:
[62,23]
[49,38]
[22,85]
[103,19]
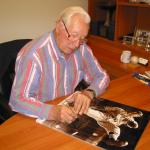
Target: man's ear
[58,26]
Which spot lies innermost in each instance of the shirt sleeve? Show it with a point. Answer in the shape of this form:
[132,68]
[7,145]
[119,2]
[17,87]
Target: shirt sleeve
[24,94]
[95,75]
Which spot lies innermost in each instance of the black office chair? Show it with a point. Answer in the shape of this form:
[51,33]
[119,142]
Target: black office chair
[8,54]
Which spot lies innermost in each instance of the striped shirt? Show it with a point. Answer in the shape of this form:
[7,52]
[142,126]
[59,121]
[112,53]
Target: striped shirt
[43,74]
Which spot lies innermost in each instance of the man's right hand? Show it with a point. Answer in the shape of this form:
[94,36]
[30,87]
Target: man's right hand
[62,113]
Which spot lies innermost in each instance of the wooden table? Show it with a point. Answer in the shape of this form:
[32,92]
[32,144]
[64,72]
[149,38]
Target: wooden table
[21,132]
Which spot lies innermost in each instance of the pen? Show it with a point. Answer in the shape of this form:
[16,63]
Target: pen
[141,77]
[146,83]
[144,76]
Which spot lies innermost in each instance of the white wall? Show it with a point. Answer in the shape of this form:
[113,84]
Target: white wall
[31,18]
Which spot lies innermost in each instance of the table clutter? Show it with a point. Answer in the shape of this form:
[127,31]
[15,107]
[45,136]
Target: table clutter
[144,78]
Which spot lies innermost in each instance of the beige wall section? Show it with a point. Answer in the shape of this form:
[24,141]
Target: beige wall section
[31,18]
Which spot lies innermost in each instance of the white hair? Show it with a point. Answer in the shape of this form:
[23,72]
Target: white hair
[67,14]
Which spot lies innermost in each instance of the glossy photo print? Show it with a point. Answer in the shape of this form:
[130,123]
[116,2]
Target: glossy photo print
[107,124]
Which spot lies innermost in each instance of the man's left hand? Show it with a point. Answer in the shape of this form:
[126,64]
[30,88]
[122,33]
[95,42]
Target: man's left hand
[82,102]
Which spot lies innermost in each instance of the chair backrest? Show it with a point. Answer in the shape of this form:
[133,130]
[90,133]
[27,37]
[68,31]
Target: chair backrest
[8,54]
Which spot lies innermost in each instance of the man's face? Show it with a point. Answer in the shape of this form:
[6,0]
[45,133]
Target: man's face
[72,36]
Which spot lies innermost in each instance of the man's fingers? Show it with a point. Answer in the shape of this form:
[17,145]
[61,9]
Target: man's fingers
[62,113]
[87,106]
[78,105]
[82,103]
[68,115]
[83,107]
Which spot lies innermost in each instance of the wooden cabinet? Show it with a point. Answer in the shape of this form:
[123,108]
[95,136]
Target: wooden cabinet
[130,16]
[127,17]
[102,13]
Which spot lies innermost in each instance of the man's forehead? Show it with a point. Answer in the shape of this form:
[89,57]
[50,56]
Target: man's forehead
[78,22]
[77,17]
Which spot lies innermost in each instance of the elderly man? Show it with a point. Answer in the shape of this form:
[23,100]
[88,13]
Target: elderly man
[52,66]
